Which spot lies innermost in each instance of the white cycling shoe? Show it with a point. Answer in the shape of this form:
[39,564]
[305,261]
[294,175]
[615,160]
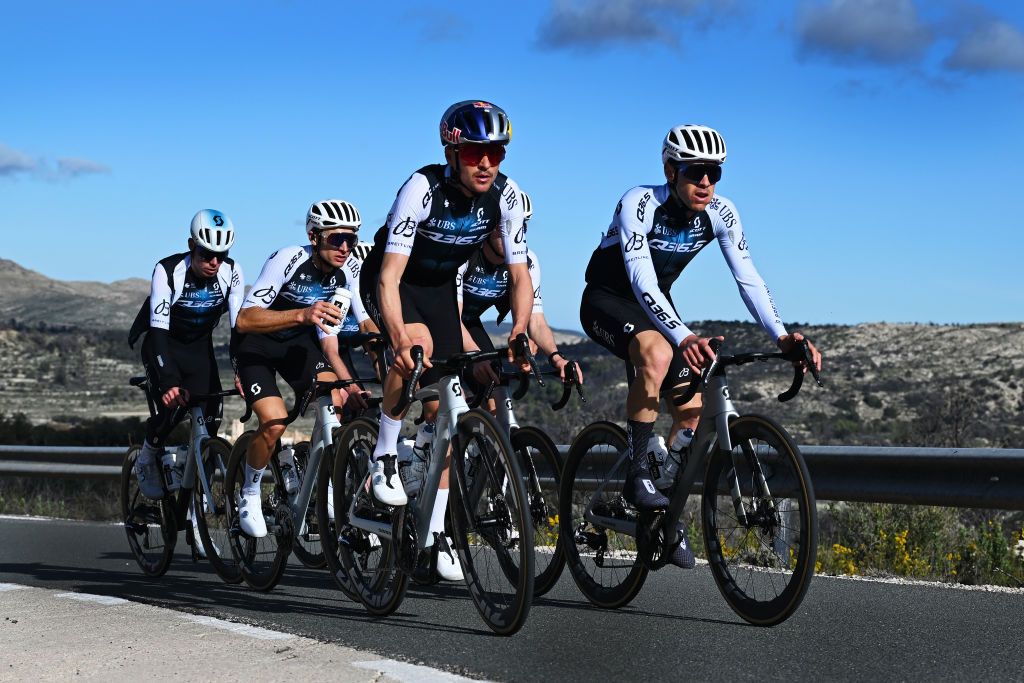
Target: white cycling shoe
[387,485]
[448,567]
[250,515]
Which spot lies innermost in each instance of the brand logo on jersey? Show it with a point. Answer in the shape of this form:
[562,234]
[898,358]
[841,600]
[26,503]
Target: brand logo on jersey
[727,215]
[628,327]
[520,235]
[266,295]
[659,312]
[483,292]
[405,228]
[463,240]
[428,195]
[198,303]
[354,266]
[742,246]
[235,279]
[641,207]
[291,264]
[604,335]
[677,247]
[163,308]
[635,242]
[618,209]
[510,197]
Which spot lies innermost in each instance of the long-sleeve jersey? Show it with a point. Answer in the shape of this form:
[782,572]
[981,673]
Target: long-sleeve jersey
[481,284]
[290,280]
[438,227]
[652,238]
[188,306]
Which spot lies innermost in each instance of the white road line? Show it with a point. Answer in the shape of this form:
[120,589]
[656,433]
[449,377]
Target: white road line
[89,597]
[11,587]
[240,629]
[411,672]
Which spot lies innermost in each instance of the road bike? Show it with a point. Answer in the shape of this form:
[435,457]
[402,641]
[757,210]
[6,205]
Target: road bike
[152,525]
[381,547]
[759,521]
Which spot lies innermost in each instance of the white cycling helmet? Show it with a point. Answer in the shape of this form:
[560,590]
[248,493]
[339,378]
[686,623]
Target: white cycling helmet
[527,206]
[690,142]
[333,213]
[212,230]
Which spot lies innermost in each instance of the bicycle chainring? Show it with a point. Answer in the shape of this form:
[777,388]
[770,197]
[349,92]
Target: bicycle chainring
[650,539]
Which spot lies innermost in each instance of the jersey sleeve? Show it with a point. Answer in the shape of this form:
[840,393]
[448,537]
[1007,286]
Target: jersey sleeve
[236,293]
[513,224]
[410,209]
[352,268]
[538,302]
[633,221]
[273,277]
[160,295]
[753,290]
[459,276]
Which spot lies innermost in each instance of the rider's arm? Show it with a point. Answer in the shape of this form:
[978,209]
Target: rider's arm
[540,332]
[329,345]
[255,316]
[405,216]
[753,290]
[236,293]
[636,255]
[513,236]
[160,296]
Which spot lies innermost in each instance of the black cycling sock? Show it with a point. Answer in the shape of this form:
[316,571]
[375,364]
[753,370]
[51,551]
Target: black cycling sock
[639,435]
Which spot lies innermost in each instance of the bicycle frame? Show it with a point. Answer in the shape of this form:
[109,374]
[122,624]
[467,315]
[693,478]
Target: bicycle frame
[323,438]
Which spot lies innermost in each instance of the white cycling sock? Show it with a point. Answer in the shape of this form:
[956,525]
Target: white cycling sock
[387,439]
[437,515]
[149,453]
[252,480]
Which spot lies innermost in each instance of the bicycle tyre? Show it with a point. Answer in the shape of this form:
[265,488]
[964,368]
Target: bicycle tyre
[152,549]
[262,560]
[213,524]
[369,562]
[309,552]
[777,544]
[488,510]
[616,584]
[538,454]
[329,527]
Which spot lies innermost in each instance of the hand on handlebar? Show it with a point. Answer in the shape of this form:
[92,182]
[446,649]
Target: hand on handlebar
[562,363]
[696,349]
[175,396]
[519,360]
[483,372]
[787,342]
[404,363]
[354,397]
[323,314]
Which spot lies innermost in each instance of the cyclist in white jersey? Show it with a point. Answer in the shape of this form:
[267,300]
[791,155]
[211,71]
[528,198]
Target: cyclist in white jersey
[289,326]
[626,307]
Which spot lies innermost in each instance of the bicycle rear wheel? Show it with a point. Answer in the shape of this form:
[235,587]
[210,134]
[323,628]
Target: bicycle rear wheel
[149,524]
[328,524]
[369,562]
[760,522]
[603,560]
[262,560]
[542,474]
[493,530]
[212,513]
[308,546]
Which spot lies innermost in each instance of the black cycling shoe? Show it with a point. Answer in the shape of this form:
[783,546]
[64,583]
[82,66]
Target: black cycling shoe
[682,556]
[639,491]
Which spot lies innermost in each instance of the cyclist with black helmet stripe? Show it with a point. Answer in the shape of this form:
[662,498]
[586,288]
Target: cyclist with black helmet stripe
[655,232]
[189,293]
[442,214]
[289,326]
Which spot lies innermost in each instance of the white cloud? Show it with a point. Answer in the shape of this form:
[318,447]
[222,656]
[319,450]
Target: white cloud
[13,162]
[996,46]
[881,31]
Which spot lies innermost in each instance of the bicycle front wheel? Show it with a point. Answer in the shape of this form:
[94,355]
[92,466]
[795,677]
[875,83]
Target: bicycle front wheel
[211,513]
[149,524]
[596,524]
[542,473]
[262,560]
[760,522]
[490,518]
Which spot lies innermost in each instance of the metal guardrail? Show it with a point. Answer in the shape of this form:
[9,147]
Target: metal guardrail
[955,477]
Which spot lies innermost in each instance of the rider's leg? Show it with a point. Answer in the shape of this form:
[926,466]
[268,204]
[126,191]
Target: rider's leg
[651,354]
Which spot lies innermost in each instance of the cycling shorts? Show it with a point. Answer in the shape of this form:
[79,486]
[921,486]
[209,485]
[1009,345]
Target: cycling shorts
[259,359]
[198,371]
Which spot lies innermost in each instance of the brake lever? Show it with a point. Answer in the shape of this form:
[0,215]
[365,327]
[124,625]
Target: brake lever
[572,378]
[479,398]
[522,348]
[409,388]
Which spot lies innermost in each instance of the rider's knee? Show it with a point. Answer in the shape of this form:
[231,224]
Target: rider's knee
[270,433]
[656,361]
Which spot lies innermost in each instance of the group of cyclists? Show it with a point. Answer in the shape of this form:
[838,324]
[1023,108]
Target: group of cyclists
[453,246]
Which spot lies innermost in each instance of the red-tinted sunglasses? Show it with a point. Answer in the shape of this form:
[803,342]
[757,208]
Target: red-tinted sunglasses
[471,155]
[336,239]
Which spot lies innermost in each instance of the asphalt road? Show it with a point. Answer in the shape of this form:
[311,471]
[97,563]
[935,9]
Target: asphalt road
[679,625]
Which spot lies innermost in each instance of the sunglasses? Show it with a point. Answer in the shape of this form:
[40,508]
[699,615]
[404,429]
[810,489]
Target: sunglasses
[207,255]
[336,239]
[471,155]
[696,172]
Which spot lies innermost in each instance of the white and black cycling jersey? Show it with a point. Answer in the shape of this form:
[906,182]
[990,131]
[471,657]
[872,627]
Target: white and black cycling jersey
[290,280]
[438,227]
[652,237]
[188,306]
[481,284]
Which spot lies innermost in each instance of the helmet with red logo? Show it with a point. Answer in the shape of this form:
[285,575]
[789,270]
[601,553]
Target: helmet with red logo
[475,121]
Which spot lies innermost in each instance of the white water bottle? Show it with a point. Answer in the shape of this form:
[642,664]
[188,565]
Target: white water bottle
[289,475]
[342,298]
[675,458]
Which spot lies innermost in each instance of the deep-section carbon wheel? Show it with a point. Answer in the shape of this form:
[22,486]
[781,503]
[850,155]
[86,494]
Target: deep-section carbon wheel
[760,522]
[602,558]
[490,518]
[262,560]
[149,524]
[542,473]
[368,561]
[211,512]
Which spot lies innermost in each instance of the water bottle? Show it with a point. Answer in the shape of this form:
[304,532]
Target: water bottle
[675,459]
[289,475]
[172,475]
[342,298]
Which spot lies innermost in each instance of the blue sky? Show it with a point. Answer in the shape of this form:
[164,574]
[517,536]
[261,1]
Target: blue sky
[874,145]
